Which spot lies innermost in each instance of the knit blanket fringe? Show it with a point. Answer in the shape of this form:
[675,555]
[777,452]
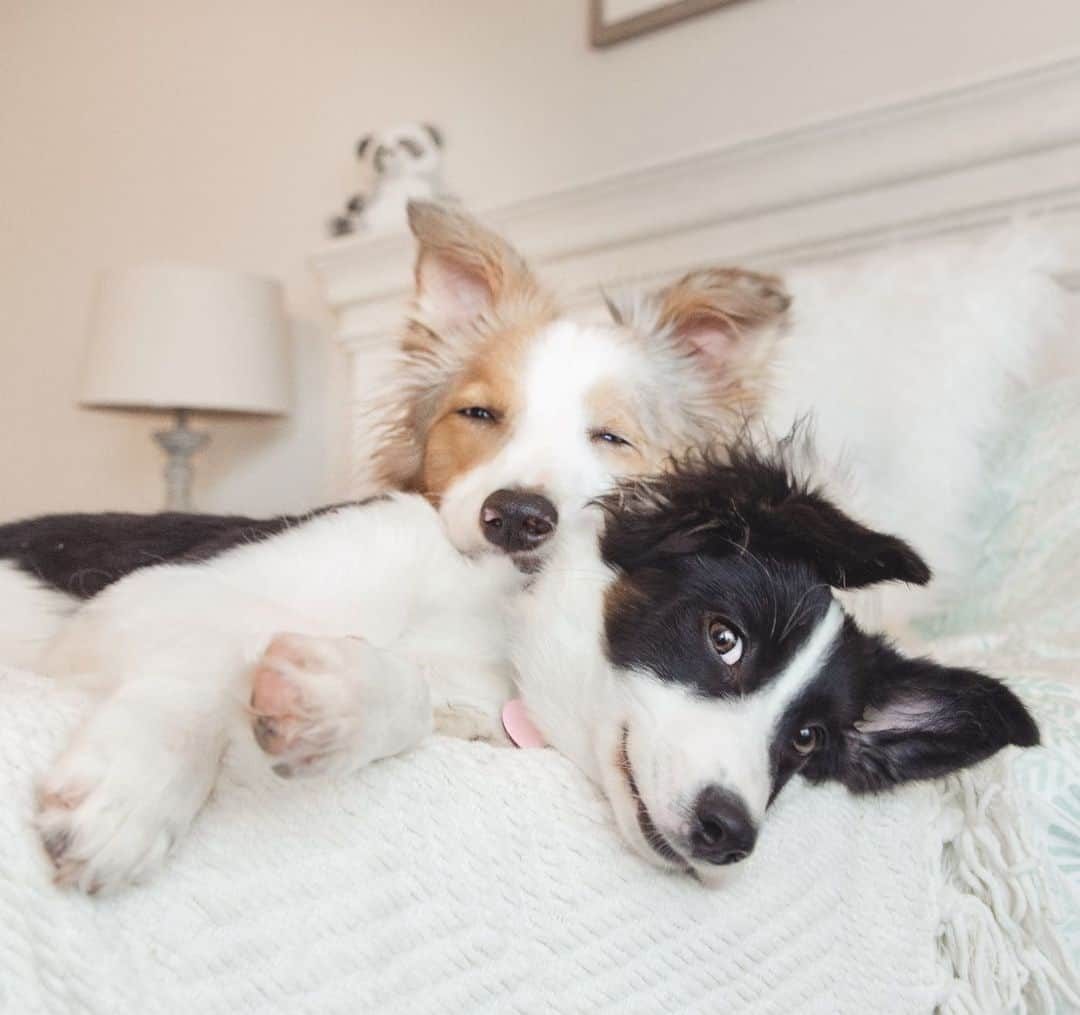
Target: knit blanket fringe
[1001,902]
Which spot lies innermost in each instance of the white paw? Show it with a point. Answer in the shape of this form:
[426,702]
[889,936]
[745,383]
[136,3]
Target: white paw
[467,722]
[332,705]
[109,810]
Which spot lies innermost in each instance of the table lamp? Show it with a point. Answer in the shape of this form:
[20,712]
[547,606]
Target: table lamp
[186,339]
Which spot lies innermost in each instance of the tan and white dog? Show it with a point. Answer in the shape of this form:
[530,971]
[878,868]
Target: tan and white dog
[507,403]
[508,420]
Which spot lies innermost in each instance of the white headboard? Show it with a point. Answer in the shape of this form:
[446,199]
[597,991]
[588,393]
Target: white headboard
[963,161]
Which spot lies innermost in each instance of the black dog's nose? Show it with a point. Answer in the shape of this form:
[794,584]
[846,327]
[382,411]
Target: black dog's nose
[515,520]
[723,831]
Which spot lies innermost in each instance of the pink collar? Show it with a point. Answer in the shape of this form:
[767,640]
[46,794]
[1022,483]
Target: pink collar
[519,727]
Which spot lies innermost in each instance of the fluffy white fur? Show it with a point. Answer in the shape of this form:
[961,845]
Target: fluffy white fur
[905,363]
[170,650]
[30,616]
[374,663]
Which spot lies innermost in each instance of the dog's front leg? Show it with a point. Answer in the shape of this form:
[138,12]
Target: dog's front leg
[329,706]
[468,696]
[134,775]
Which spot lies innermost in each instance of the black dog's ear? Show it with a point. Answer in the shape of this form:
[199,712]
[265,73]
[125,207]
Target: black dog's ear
[845,553]
[363,144]
[651,520]
[436,134]
[923,720]
[752,502]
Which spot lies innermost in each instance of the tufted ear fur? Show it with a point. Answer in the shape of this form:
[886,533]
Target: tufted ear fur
[436,134]
[363,144]
[847,554]
[471,288]
[717,315]
[921,721]
[750,501]
[463,270]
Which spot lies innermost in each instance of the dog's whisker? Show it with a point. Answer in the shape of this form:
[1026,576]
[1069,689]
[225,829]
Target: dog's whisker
[800,608]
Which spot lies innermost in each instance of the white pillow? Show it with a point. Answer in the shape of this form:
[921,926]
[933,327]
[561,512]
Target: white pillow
[907,363]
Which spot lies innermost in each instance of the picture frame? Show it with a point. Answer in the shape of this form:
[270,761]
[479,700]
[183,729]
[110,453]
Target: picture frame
[615,21]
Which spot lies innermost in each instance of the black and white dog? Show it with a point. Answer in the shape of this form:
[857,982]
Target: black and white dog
[681,644]
[691,657]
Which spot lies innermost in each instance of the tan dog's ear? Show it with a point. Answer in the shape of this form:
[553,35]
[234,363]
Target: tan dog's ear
[469,283]
[710,313]
[463,270]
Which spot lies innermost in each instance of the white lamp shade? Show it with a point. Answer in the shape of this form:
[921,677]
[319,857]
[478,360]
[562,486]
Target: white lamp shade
[179,337]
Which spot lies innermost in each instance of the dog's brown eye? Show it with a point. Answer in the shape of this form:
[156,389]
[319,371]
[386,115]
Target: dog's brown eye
[478,412]
[808,739]
[726,641]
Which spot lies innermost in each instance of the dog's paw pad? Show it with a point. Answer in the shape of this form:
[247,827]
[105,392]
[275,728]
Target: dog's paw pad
[113,804]
[94,841]
[300,702]
[276,705]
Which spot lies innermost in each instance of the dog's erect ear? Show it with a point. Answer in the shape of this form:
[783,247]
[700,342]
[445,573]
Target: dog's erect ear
[435,133]
[847,554]
[467,279]
[363,144]
[710,314]
[463,270]
[923,720]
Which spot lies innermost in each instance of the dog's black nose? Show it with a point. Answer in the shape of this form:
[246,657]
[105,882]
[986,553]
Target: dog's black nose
[723,831]
[516,520]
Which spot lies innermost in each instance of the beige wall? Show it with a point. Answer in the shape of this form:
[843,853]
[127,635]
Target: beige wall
[221,133]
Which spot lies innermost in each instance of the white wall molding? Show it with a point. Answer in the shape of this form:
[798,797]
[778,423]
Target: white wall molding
[956,161]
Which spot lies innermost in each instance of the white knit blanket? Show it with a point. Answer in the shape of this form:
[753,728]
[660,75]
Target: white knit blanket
[464,878]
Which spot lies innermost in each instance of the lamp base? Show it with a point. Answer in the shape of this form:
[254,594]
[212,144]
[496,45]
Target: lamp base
[179,444]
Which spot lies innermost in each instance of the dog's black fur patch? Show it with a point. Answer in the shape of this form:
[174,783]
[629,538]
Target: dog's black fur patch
[662,608]
[744,541]
[81,554]
[751,501]
[895,719]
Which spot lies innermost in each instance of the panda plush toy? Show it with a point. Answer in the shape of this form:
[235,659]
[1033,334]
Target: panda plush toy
[402,164]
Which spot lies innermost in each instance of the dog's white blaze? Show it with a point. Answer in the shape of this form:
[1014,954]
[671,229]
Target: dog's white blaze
[681,742]
[550,448]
